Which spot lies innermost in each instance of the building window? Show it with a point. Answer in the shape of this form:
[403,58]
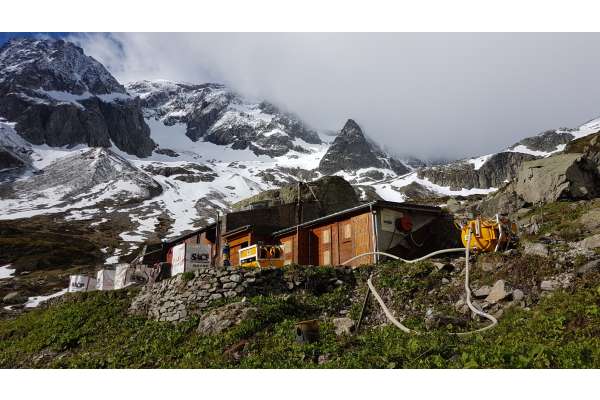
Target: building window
[287,247]
[326,238]
[326,257]
[347,232]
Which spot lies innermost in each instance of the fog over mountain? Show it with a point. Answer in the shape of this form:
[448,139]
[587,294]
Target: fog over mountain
[428,95]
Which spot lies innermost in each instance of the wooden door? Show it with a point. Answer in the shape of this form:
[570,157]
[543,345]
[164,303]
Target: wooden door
[324,245]
[345,240]
[362,238]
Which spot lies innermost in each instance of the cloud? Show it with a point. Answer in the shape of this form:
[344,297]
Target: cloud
[429,95]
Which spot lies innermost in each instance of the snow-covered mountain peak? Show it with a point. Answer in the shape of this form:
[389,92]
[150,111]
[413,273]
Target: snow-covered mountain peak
[55,66]
[213,113]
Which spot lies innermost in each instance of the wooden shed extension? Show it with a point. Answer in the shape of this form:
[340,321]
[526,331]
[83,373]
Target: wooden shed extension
[337,238]
[205,235]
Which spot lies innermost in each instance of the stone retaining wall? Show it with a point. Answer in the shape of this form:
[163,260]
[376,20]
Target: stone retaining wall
[176,299]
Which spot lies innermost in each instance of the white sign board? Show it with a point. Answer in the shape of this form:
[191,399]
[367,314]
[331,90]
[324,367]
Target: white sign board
[81,283]
[178,261]
[197,256]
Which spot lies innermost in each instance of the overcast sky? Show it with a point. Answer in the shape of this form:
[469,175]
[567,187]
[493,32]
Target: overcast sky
[430,95]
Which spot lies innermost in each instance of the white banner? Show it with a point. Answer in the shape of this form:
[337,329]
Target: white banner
[105,279]
[178,261]
[122,276]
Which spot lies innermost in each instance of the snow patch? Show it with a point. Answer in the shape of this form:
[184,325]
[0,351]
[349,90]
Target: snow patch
[35,301]
[6,271]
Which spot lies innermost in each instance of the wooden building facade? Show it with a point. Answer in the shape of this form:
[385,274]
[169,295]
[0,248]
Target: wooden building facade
[339,237]
[401,229]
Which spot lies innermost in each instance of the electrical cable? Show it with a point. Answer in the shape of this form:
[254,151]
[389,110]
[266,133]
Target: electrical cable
[402,327]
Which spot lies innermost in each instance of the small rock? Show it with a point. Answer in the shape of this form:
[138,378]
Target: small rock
[591,242]
[499,292]
[482,292]
[235,278]
[588,267]
[14,298]
[536,249]
[445,281]
[343,326]
[518,295]
[549,285]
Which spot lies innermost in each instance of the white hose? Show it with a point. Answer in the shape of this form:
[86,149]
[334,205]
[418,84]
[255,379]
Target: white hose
[397,323]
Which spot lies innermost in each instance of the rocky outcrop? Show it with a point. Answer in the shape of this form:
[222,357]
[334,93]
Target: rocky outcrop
[60,97]
[495,172]
[332,193]
[352,151]
[564,176]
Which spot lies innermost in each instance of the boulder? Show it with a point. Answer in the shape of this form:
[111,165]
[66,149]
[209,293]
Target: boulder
[549,285]
[590,221]
[588,267]
[591,242]
[499,291]
[563,176]
[343,326]
[535,249]
[222,318]
[518,295]
[482,292]
[14,298]
[435,320]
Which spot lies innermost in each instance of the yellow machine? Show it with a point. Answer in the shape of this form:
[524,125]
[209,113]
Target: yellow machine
[489,234]
[260,255]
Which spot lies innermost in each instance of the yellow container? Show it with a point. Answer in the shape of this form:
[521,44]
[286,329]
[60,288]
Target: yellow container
[484,234]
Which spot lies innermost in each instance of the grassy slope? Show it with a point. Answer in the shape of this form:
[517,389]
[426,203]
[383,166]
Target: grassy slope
[559,331]
[93,331]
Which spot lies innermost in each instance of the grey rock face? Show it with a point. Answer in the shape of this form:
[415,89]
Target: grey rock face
[351,151]
[564,176]
[59,96]
[494,172]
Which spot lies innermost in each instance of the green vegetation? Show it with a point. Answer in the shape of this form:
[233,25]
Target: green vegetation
[93,330]
[187,276]
[560,218]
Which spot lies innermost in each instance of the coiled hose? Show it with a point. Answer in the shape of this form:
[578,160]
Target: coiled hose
[397,323]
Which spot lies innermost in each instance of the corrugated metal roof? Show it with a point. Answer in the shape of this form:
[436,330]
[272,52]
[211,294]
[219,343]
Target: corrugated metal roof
[376,203]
